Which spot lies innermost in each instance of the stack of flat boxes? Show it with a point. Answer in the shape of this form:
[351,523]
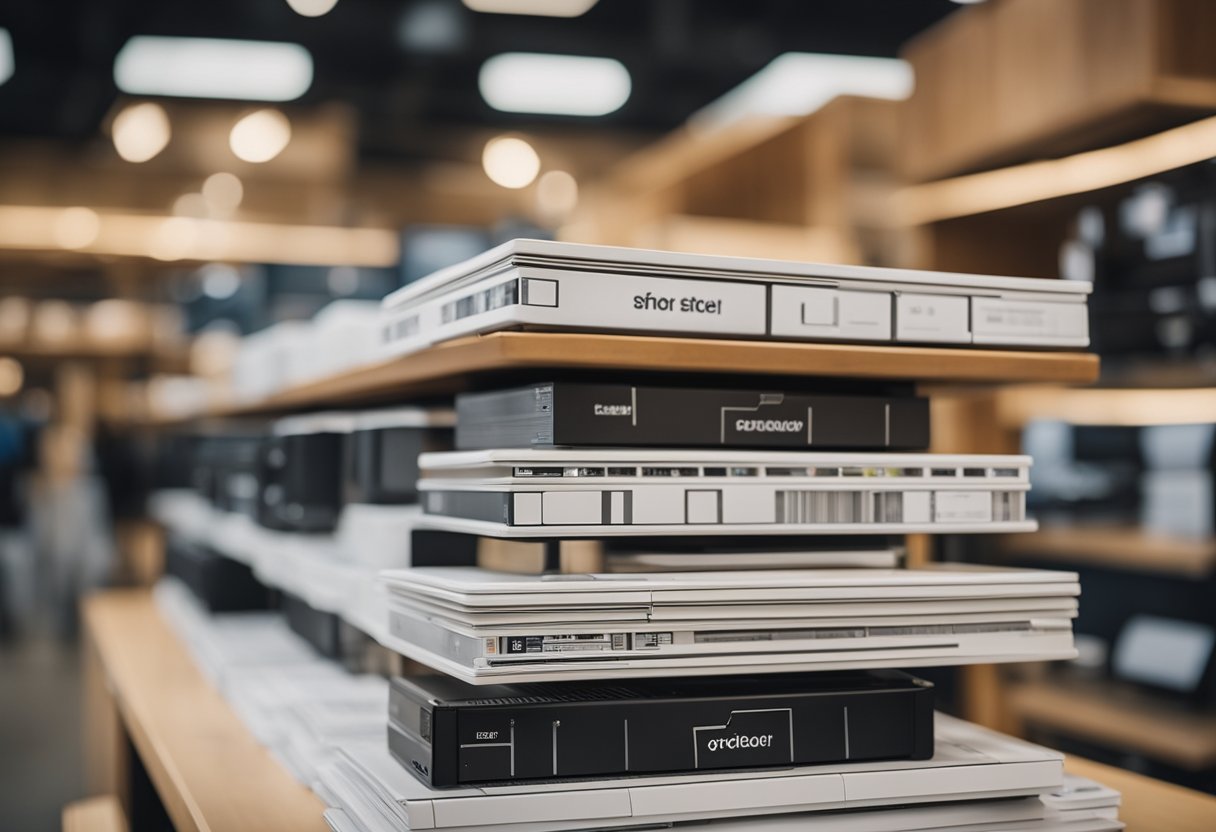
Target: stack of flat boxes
[707,681]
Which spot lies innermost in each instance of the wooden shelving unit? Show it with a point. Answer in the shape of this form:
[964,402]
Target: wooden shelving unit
[812,187]
[456,365]
[1112,714]
[1118,547]
[209,771]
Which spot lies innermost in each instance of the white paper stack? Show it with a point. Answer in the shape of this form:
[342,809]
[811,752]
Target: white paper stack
[297,704]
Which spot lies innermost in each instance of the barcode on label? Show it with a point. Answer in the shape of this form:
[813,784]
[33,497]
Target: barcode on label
[815,507]
[1008,506]
[840,507]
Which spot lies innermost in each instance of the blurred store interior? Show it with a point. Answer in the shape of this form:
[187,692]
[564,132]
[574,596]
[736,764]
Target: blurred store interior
[176,177]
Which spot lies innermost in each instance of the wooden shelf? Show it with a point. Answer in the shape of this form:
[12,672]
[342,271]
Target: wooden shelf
[210,773]
[1054,179]
[1119,716]
[94,814]
[1108,406]
[169,359]
[1148,803]
[452,366]
[1119,547]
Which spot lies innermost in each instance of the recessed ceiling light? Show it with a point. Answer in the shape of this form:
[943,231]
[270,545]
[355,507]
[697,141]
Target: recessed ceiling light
[510,162]
[6,56]
[539,8]
[799,83]
[140,131]
[245,70]
[573,85]
[312,8]
[260,136]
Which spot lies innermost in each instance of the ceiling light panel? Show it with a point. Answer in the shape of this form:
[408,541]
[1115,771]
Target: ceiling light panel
[799,83]
[242,70]
[571,85]
[538,8]
[7,64]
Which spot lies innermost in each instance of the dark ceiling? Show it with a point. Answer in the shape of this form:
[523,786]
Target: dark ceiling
[682,54]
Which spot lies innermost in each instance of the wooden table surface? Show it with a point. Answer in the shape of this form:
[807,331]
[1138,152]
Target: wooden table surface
[1150,805]
[211,774]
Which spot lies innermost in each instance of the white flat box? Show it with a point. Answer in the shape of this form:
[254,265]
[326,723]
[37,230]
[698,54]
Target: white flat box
[537,284]
[972,766]
[580,493]
[484,626]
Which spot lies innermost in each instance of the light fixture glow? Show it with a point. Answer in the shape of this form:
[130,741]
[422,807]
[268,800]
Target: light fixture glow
[12,376]
[190,204]
[260,136]
[572,85]
[245,70]
[510,162]
[556,194]
[77,227]
[32,228]
[140,132]
[538,8]
[173,238]
[7,64]
[799,83]
[223,193]
[220,281]
[312,8]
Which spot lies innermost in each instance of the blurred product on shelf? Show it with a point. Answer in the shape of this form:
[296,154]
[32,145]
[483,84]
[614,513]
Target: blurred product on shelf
[1170,655]
[1150,253]
[1083,473]
[1180,481]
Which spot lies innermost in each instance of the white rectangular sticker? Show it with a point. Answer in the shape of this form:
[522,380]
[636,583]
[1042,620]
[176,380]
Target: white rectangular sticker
[1028,320]
[656,303]
[962,507]
[941,318]
[831,313]
[568,508]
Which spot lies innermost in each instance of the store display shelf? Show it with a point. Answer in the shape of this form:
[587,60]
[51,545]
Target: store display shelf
[1127,406]
[1121,716]
[453,366]
[1116,547]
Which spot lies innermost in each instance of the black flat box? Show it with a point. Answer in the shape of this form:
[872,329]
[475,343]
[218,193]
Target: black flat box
[589,415]
[322,630]
[452,734]
[382,462]
[300,481]
[219,583]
